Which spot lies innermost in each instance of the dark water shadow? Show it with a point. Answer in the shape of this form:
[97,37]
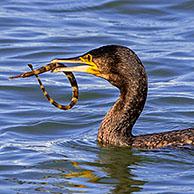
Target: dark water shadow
[114,169]
[119,165]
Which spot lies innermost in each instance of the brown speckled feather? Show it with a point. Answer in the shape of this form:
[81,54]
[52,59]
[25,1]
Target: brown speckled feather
[165,139]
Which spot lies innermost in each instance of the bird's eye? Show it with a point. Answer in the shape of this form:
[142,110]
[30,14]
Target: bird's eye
[88,57]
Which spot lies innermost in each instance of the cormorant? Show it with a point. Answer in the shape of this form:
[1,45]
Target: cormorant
[123,69]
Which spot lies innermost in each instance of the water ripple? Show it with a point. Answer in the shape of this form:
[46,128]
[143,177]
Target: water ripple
[45,150]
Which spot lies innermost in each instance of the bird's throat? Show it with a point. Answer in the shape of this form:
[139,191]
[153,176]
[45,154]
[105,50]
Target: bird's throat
[116,128]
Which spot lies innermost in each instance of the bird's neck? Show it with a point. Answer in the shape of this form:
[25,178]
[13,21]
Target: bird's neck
[116,128]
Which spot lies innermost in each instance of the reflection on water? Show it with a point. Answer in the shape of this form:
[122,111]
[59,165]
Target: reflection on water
[116,168]
[118,163]
[44,150]
[113,169]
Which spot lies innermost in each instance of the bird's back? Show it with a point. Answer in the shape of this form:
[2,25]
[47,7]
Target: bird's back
[171,138]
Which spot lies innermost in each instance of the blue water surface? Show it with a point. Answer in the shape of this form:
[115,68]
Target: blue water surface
[45,150]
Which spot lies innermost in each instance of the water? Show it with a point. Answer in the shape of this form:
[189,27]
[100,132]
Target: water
[45,150]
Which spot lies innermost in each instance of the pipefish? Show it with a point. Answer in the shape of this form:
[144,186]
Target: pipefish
[51,67]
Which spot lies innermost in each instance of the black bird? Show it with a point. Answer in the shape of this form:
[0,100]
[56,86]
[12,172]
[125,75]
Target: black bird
[123,69]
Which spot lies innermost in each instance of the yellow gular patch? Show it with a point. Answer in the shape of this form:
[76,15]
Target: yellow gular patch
[93,70]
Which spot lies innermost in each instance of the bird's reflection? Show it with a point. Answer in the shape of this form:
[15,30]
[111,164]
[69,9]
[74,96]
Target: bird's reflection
[113,170]
[117,165]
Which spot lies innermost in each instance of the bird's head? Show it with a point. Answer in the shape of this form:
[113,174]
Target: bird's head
[112,62]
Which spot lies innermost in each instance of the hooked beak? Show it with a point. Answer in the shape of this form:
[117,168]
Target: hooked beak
[88,67]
